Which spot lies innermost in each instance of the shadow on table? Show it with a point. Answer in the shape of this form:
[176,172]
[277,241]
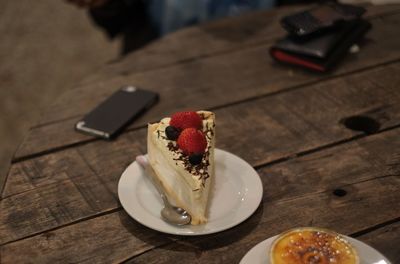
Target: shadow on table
[181,246]
[141,232]
[227,237]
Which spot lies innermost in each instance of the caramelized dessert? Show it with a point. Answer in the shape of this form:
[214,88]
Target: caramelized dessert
[310,245]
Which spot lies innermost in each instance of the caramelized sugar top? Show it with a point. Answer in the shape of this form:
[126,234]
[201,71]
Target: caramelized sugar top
[312,246]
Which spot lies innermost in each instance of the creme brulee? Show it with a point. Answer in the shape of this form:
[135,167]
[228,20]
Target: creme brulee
[312,245]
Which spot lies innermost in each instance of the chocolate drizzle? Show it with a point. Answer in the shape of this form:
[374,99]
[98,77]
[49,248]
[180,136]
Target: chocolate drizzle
[200,170]
[209,132]
[161,136]
[172,147]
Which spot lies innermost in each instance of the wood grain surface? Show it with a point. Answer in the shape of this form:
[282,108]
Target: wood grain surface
[281,125]
[385,239]
[307,135]
[370,170]
[221,36]
[225,78]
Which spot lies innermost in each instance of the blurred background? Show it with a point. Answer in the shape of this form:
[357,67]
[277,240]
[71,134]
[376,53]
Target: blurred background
[46,47]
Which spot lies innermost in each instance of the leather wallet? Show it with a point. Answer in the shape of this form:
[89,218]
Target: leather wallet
[320,53]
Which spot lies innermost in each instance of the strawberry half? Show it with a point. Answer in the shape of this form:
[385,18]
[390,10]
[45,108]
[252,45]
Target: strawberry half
[182,120]
[192,141]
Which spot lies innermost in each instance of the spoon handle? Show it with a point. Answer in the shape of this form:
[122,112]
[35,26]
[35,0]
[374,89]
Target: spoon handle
[142,161]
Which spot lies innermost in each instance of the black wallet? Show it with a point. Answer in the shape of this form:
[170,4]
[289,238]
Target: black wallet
[320,53]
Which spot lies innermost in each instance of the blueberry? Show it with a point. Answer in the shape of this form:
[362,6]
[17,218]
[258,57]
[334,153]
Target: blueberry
[172,132]
[195,158]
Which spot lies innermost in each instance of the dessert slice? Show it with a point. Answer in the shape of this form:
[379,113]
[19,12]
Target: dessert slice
[181,152]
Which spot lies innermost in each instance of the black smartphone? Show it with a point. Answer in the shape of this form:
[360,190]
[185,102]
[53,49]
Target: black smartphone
[116,112]
[322,17]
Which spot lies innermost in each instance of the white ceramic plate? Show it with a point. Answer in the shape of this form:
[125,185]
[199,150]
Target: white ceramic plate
[259,253]
[236,195]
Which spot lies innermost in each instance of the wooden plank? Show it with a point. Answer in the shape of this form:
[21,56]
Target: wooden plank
[314,210]
[106,86]
[193,74]
[318,174]
[386,240]
[50,191]
[336,168]
[279,126]
[206,83]
[221,36]
[315,205]
[183,45]
[97,240]
[286,124]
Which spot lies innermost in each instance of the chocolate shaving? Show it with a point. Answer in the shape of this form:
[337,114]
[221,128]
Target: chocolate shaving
[200,170]
[172,147]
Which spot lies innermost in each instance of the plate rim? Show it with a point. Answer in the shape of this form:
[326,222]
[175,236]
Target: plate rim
[265,242]
[175,230]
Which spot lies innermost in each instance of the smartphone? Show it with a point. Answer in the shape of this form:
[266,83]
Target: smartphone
[320,18]
[116,112]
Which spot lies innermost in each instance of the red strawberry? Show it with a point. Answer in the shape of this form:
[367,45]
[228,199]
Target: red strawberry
[192,141]
[184,120]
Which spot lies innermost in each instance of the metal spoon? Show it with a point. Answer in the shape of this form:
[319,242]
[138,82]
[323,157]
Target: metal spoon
[170,214]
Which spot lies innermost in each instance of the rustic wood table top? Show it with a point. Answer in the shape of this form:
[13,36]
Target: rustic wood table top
[319,162]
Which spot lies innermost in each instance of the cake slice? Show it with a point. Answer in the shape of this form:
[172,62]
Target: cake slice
[181,152]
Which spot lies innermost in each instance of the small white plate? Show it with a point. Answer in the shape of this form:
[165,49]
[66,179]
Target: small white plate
[259,253]
[236,194]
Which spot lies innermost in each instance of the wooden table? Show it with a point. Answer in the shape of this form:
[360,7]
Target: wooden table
[60,203]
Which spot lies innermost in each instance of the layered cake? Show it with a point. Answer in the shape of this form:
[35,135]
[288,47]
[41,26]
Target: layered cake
[312,245]
[181,152]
